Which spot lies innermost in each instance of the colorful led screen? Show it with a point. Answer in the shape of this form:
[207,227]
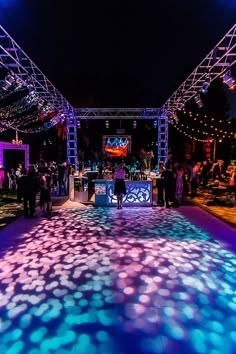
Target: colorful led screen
[116,145]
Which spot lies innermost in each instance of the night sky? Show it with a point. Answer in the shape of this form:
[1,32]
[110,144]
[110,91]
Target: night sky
[117,53]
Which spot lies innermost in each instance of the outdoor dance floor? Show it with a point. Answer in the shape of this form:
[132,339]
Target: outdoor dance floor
[130,281]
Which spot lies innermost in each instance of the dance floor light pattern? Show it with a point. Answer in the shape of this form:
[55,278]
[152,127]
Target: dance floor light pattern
[102,281]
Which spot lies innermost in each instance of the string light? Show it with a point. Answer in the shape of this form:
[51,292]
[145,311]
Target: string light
[19,107]
[25,120]
[213,135]
[48,125]
[205,126]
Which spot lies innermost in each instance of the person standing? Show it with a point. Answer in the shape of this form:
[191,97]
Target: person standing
[46,192]
[168,184]
[29,185]
[19,173]
[120,187]
[232,183]
[204,174]
[63,178]
[11,180]
[160,185]
[179,190]
[194,179]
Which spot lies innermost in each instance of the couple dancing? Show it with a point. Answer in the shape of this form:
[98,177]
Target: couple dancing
[120,187]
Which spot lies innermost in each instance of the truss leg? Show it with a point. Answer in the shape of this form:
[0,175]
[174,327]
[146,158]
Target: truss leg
[162,139]
[72,150]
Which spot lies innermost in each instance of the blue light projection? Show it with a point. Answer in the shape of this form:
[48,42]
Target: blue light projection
[99,281]
[7,3]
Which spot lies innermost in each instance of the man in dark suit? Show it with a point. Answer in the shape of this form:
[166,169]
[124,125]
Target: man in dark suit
[168,184]
[29,187]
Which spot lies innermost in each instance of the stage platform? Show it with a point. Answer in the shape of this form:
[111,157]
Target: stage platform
[131,281]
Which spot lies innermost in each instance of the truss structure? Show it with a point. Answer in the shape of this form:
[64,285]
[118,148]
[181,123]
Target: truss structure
[162,139]
[71,141]
[16,60]
[217,62]
[119,113]
[134,114]
[220,59]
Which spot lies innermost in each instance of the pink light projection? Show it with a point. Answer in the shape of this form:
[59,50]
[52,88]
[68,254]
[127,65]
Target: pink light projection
[94,280]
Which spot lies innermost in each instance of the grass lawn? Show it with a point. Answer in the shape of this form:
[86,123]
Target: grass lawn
[10,210]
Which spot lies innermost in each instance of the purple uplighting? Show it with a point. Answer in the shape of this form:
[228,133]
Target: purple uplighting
[141,280]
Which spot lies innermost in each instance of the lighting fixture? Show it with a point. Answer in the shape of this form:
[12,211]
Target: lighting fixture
[205,85]
[16,140]
[198,101]
[228,80]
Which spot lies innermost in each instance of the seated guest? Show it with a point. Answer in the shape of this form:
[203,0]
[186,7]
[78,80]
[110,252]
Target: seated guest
[219,170]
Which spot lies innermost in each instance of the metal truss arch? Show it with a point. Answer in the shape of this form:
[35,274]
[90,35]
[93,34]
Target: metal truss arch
[158,114]
[119,113]
[18,62]
[220,59]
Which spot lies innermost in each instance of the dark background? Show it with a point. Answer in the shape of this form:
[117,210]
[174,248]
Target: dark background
[116,53]
[13,157]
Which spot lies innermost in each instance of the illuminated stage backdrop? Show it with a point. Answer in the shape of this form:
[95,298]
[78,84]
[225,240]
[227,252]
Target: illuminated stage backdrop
[130,281]
[116,145]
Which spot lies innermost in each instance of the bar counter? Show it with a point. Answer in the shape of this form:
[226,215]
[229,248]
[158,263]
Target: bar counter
[138,193]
